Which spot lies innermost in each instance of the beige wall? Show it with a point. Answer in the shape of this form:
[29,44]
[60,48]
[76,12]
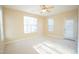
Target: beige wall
[59,21]
[13,24]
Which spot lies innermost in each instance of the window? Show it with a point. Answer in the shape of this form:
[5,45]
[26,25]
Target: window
[30,24]
[50,25]
[68,30]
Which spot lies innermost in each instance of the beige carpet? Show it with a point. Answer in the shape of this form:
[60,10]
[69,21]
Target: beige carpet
[41,46]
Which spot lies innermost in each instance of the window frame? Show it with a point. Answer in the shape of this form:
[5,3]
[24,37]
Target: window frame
[29,25]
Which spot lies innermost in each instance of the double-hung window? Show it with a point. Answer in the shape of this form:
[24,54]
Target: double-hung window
[30,24]
[50,25]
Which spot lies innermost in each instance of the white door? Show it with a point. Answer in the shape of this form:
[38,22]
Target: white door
[68,30]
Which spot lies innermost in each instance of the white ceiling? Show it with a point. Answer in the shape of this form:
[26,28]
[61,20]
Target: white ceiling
[35,9]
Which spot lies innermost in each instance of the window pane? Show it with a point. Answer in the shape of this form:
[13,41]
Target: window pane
[34,28]
[50,21]
[50,24]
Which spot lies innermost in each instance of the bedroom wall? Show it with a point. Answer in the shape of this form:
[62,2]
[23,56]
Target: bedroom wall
[13,24]
[59,21]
